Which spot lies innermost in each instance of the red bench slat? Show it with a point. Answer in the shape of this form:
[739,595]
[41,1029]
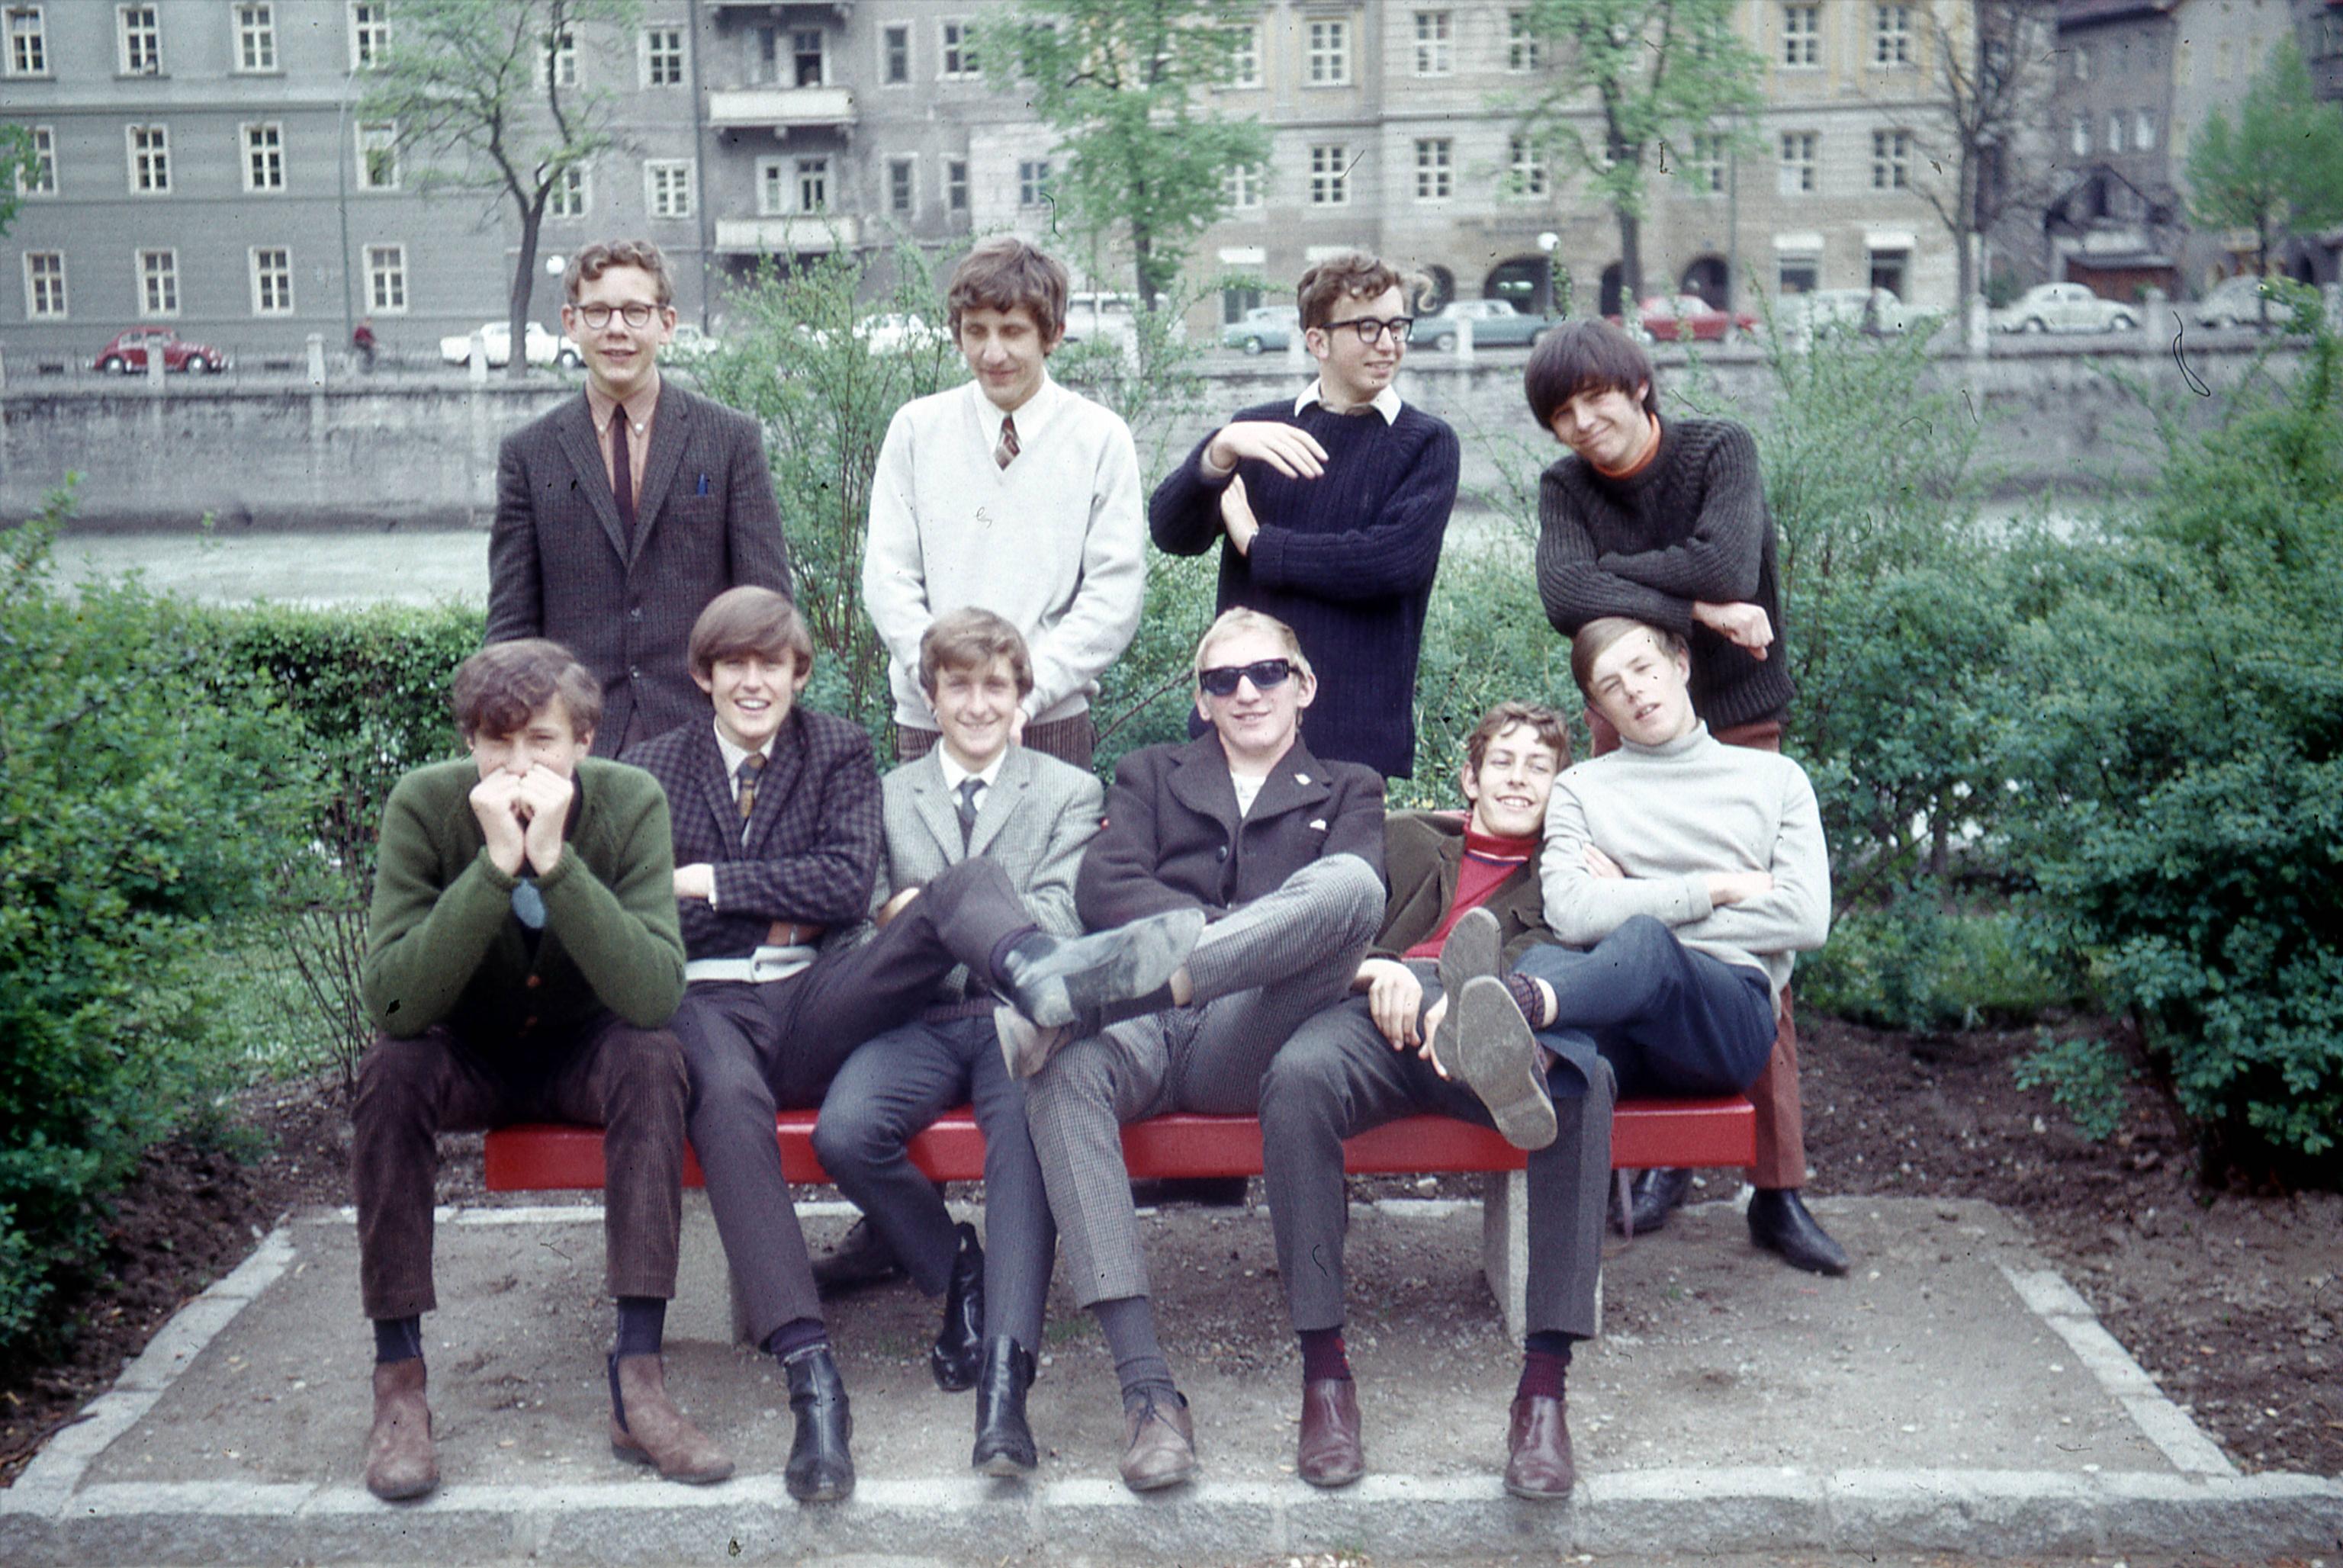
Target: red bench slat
[533,1157]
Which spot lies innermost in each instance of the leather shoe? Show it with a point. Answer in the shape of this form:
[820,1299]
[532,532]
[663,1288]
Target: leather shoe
[1778,1222]
[819,1469]
[1538,1463]
[399,1463]
[1653,1196]
[1496,1057]
[1329,1453]
[1004,1443]
[1026,1047]
[647,1429]
[861,1259]
[959,1350]
[1058,981]
[1159,1445]
[1474,947]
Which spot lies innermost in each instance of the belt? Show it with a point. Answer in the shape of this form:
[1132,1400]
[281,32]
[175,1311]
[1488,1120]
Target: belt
[762,966]
[793,934]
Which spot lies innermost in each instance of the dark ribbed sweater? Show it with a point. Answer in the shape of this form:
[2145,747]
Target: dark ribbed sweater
[1346,560]
[1691,527]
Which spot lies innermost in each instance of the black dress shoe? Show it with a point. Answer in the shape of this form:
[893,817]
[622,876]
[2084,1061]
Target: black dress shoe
[1088,982]
[861,1259]
[958,1349]
[1656,1194]
[1004,1443]
[820,1470]
[1778,1222]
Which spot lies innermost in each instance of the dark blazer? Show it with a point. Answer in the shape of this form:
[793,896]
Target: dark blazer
[814,841]
[559,564]
[1422,853]
[1173,839]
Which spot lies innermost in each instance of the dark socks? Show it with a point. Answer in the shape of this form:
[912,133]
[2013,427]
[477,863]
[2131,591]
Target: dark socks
[796,1335]
[1323,1355]
[1545,1364]
[397,1339]
[642,1323]
[1128,1322]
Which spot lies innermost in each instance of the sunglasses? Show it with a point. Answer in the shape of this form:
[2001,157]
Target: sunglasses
[1220,681]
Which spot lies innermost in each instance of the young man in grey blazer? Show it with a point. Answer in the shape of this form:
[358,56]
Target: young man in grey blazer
[975,795]
[622,512]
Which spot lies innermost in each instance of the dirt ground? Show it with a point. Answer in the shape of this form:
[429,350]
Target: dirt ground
[2233,1301]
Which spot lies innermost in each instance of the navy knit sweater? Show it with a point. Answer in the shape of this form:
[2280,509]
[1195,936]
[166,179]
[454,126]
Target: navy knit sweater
[1345,559]
[1690,527]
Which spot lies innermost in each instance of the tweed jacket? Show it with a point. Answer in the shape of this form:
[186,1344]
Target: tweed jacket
[443,945]
[812,842]
[1174,839]
[1035,819]
[1422,853]
[559,564]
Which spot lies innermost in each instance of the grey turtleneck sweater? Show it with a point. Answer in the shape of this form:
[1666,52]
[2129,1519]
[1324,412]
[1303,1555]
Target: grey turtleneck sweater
[1672,815]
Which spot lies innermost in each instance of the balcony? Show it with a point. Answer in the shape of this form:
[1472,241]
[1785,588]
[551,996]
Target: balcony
[840,9]
[783,108]
[801,234]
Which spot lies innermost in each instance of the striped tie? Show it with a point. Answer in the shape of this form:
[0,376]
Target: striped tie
[968,791]
[751,766]
[1006,453]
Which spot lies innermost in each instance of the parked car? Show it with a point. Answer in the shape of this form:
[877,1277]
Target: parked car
[127,350]
[2239,302]
[1261,327]
[1686,318]
[690,343]
[1102,318]
[542,346]
[900,332]
[1876,312]
[2062,307]
[1496,325]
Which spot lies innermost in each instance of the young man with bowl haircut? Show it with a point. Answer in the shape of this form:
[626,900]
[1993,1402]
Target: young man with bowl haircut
[623,511]
[1011,494]
[522,959]
[776,819]
[1283,852]
[1329,510]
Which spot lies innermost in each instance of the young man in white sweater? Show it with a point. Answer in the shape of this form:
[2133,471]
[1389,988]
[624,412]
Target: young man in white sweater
[1013,495]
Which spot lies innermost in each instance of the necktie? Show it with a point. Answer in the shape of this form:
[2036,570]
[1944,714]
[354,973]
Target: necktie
[622,473]
[751,766]
[1007,451]
[968,792]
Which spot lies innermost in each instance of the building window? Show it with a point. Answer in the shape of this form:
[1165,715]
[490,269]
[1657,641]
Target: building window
[2143,131]
[256,35]
[772,187]
[1434,56]
[813,184]
[1525,51]
[38,175]
[28,42]
[1330,53]
[895,55]
[1434,162]
[1330,177]
[663,56]
[159,283]
[1797,162]
[1891,36]
[369,33]
[666,186]
[956,184]
[2078,139]
[565,59]
[1802,35]
[45,284]
[272,280]
[1891,160]
[960,62]
[2115,130]
[1889,268]
[377,154]
[139,31]
[1798,274]
[2082,62]
[1244,56]
[150,159]
[264,157]
[1527,161]
[1242,190]
[1705,166]
[570,195]
[1033,181]
[807,68]
[387,278]
[899,186]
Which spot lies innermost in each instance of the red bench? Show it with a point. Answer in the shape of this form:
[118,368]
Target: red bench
[540,1157]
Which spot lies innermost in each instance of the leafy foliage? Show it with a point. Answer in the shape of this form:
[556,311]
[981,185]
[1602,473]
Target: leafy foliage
[2086,1080]
[15,163]
[2278,169]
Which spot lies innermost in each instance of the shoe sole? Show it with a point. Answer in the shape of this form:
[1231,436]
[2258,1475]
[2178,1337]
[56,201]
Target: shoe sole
[1003,1466]
[950,1378]
[1338,1478]
[1152,952]
[1474,948]
[1026,1047]
[642,1456]
[1158,1482]
[1535,1496]
[822,1493]
[406,1494]
[1496,1058]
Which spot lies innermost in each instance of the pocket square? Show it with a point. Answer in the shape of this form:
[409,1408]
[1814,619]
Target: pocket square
[1319,825]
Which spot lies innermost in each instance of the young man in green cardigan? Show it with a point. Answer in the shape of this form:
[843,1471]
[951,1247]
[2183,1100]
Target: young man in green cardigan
[522,959]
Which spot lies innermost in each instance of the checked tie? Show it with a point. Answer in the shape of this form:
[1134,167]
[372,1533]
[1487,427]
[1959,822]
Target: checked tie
[1006,453]
[968,791]
[751,766]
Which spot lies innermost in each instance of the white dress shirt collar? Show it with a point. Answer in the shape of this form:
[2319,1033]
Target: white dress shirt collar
[1386,402]
[1033,415]
[734,755]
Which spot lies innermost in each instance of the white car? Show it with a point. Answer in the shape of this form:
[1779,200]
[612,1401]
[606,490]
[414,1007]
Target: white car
[544,347]
[900,332]
[690,343]
[2238,302]
[2063,307]
[1876,312]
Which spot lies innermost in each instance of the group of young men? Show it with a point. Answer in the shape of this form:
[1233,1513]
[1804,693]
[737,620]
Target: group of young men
[665,897]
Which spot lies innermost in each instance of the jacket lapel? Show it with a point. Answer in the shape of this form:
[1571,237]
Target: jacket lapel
[671,431]
[1201,783]
[779,781]
[584,449]
[1298,781]
[933,803]
[1001,801]
[716,791]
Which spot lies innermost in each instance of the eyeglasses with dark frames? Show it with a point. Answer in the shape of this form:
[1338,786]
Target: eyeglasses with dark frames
[1222,680]
[635,313]
[1371,330]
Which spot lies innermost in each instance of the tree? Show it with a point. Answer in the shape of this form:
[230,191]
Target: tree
[15,163]
[1994,80]
[2279,170]
[1118,80]
[489,94]
[1651,66]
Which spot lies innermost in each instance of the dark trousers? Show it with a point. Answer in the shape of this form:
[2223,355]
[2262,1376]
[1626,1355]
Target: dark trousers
[889,1089]
[1067,739]
[630,1080]
[1338,1076]
[754,1050]
[1671,1021]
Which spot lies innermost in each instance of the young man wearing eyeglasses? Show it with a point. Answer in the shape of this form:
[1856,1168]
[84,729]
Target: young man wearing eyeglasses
[1329,510]
[1283,852]
[621,513]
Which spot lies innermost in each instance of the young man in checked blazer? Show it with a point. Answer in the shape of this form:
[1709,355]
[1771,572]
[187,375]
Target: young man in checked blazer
[777,824]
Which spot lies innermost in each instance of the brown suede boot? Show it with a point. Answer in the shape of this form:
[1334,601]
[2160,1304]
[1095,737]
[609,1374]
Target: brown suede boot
[647,1428]
[400,1464]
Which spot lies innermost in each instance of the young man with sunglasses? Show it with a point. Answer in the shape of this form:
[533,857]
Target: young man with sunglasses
[1283,852]
[622,512]
[1329,510]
